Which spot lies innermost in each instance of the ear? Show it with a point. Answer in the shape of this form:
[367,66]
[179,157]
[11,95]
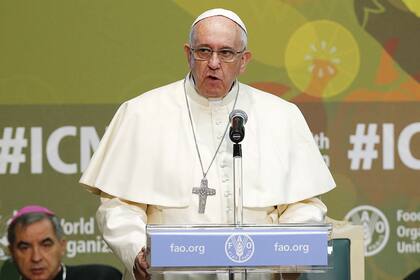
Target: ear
[246,57]
[187,51]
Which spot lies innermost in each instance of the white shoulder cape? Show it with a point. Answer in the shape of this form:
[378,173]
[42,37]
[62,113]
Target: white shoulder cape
[147,154]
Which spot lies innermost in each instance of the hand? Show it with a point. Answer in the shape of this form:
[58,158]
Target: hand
[141,265]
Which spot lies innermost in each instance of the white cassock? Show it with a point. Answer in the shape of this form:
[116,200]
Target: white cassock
[147,165]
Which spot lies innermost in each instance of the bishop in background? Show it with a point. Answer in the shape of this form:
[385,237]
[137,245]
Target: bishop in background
[166,151]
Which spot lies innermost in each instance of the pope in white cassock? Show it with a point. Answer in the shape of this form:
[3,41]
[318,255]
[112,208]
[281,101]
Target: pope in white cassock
[168,141]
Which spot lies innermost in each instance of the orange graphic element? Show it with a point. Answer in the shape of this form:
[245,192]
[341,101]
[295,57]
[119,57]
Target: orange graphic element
[387,72]
[281,90]
[323,71]
[388,75]
[407,91]
[271,87]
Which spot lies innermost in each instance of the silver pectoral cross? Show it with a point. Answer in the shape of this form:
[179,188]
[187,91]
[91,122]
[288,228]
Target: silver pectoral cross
[203,191]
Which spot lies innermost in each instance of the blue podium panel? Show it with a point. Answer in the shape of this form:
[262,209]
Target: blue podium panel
[233,246]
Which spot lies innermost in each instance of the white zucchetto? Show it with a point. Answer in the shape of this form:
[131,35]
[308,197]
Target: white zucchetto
[221,12]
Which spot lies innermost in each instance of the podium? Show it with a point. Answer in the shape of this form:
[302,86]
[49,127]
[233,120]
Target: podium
[237,249]
[233,249]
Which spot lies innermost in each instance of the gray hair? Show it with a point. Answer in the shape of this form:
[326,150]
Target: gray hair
[30,218]
[244,36]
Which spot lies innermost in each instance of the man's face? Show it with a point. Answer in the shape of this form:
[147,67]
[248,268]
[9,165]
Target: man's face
[214,78]
[37,251]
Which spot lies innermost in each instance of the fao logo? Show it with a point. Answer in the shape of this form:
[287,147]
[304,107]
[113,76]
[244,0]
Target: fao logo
[239,248]
[375,227]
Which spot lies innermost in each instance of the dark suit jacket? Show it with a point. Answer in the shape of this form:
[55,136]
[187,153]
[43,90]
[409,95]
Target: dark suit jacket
[73,272]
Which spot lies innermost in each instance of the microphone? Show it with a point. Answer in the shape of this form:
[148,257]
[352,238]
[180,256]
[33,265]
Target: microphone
[238,119]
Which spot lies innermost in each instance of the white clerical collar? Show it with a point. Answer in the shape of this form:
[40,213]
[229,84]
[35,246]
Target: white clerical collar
[196,97]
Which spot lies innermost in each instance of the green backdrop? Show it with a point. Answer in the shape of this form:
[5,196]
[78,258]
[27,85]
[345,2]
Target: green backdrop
[352,66]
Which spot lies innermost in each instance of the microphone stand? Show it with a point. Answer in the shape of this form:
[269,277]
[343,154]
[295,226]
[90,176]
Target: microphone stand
[237,194]
[238,215]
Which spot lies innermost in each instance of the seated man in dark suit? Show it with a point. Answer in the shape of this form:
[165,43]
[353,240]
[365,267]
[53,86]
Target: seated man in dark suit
[37,245]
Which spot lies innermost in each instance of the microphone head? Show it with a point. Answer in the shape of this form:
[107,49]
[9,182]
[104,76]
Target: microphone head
[237,131]
[238,113]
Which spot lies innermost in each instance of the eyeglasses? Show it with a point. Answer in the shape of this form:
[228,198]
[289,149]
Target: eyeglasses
[225,54]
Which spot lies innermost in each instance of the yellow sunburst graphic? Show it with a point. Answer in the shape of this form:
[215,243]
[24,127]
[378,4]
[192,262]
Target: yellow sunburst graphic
[322,58]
